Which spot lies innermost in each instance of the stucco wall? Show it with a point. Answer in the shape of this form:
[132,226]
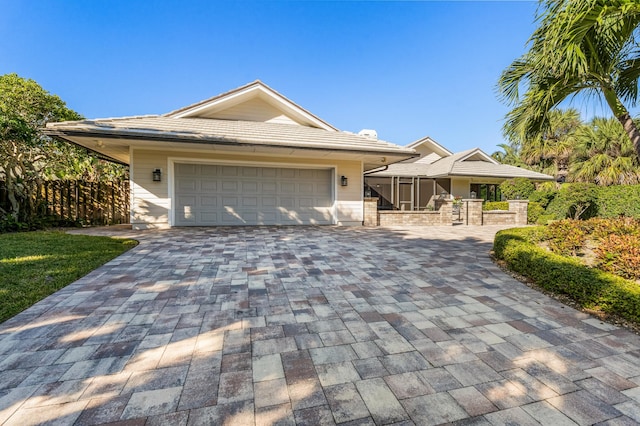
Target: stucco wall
[151,202]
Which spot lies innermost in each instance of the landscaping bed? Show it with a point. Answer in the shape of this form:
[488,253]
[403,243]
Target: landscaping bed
[34,265]
[594,264]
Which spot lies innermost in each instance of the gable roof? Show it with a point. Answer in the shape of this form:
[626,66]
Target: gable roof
[470,163]
[427,144]
[214,106]
[253,118]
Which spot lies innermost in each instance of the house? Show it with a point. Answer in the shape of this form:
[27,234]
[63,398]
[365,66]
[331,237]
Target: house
[246,157]
[416,183]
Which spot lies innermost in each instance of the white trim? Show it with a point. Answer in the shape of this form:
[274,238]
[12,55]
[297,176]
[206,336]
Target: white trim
[259,90]
[131,187]
[477,151]
[171,162]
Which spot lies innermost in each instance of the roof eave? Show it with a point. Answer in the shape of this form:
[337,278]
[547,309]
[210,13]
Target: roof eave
[213,140]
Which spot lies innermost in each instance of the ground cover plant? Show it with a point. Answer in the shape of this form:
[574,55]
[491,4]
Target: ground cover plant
[34,265]
[596,263]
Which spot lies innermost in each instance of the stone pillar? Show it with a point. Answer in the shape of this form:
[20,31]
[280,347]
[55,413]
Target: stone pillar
[445,210]
[472,211]
[519,207]
[370,212]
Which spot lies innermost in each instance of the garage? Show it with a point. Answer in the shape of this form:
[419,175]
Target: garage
[229,195]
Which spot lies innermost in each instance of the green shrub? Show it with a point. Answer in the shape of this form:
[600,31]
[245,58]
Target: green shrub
[590,288]
[517,188]
[534,211]
[619,200]
[574,200]
[543,196]
[495,205]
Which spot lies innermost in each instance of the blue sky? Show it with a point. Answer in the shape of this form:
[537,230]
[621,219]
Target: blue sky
[406,69]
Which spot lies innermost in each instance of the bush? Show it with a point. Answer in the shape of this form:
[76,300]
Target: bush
[566,237]
[543,196]
[574,200]
[495,205]
[534,212]
[619,200]
[517,188]
[620,255]
[590,288]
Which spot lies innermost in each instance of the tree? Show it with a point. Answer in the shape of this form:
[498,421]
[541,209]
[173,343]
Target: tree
[27,156]
[604,155]
[580,46]
[510,154]
[550,150]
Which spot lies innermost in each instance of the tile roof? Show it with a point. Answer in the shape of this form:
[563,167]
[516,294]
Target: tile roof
[226,132]
[458,165]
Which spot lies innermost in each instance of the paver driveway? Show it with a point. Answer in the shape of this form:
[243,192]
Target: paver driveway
[312,326]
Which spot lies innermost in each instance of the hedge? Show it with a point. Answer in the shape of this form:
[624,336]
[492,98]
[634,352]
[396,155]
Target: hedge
[590,288]
[495,205]
[604,201]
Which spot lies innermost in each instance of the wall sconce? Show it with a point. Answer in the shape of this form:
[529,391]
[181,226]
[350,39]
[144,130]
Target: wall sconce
[344,181]
[157,175]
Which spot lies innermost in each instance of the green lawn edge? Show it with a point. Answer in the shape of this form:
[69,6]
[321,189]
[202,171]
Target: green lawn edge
[590,288]
[34,265]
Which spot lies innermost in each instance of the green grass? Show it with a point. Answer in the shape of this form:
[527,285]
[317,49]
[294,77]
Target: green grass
[34,265]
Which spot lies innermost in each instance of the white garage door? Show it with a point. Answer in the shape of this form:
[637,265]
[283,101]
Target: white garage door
[208,195]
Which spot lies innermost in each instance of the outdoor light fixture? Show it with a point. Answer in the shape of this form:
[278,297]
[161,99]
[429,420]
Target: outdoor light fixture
[157,175]
[343,180]
[473,195]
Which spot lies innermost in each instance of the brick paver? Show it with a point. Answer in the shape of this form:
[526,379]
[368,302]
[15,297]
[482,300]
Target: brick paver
[313,326]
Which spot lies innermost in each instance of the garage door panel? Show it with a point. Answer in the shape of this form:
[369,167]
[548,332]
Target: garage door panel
[230,202]
[249,172]
[250,202]
[187,185]
[208,201]
[249,187]
[287,187]
[288,173]
[268,187]
[209,185]
[229,171]
[208,195]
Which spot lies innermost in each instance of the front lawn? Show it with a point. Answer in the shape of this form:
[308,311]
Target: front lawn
[34,265]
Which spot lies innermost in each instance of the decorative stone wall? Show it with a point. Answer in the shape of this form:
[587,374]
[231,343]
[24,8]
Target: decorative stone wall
[519,207]
[498,217]
[417,218]
[370,212]
[472,211]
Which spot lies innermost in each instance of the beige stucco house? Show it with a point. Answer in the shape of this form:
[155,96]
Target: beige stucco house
[246,157]
[415,183]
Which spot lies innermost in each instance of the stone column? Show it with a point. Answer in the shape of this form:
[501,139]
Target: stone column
[370,212]
[519,207]
[473,211]
[446,216]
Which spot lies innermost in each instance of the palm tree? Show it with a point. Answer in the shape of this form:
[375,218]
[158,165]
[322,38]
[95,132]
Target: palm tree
[580,46]
[549,151]
[509,154]
[604,155]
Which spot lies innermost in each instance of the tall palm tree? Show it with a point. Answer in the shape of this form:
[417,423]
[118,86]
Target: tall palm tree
[604,155]
[580,46]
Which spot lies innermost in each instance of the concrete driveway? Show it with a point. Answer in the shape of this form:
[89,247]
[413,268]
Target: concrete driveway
[311,326]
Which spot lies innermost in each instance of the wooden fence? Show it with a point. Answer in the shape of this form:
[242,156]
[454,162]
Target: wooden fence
[94,203]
